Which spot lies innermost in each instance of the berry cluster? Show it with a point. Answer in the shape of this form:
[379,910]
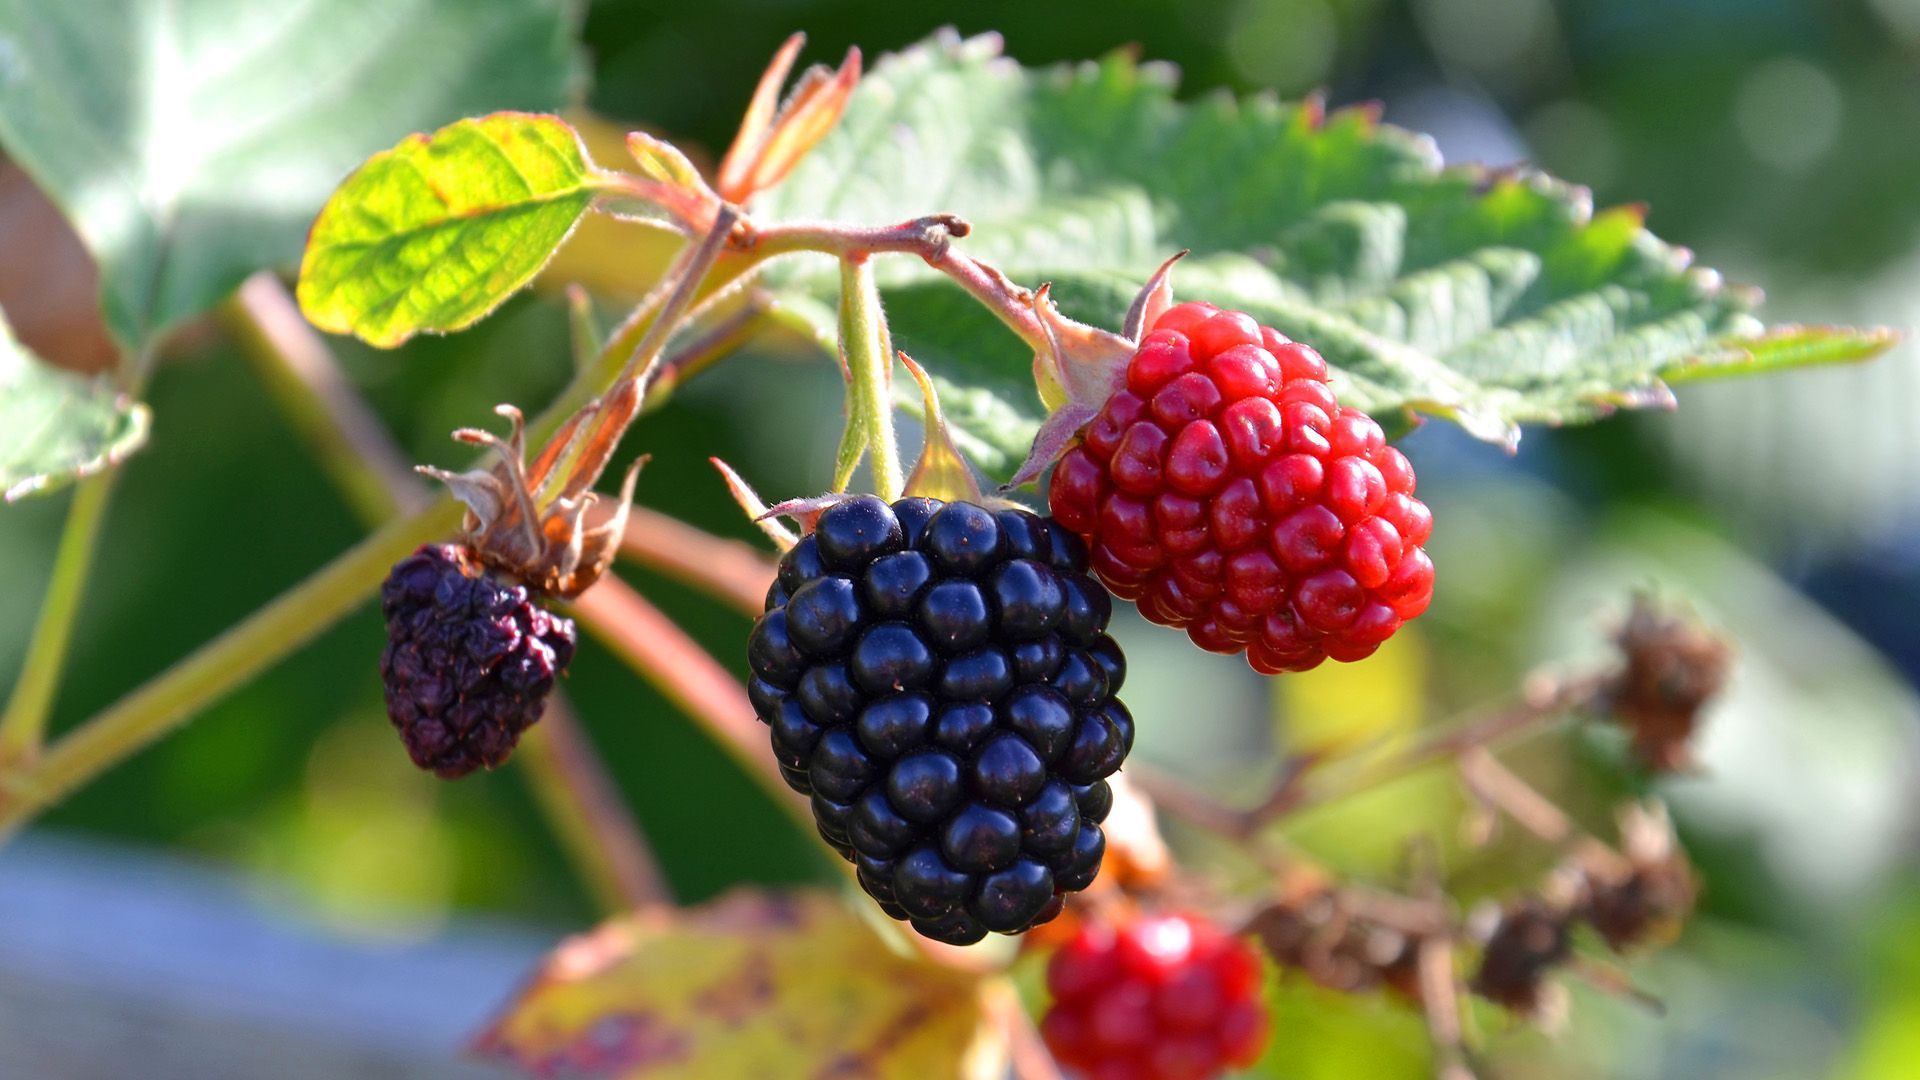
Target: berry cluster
[939,680]
[469,662]
[1167,998]
[1228,493]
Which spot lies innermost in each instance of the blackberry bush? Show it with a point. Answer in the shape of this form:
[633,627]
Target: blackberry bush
[1226,491]
[936,676]
[470,659]
[939,681]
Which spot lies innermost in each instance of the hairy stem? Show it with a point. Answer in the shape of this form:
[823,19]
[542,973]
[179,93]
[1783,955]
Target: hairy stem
[866,359]
[24,725]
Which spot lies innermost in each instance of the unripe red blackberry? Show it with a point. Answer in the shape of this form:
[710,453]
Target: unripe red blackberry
[1225,490]
[469,662]
[1165,998]
[938,679]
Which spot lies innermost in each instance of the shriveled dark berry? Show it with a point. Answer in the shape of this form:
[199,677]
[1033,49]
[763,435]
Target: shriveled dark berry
[937,677]
[470,659]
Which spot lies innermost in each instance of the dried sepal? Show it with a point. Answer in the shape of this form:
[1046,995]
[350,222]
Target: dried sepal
[756,509]
[1349,941]
[942,471]
[1137,855]
[1671,667]
[1641,896]
[806,510]
[1525,941]
[545,544]
[772,139]
[1153,300]
[1077,367]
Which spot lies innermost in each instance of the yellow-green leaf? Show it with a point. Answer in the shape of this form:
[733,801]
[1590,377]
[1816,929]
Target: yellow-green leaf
[752,984]
[438,231]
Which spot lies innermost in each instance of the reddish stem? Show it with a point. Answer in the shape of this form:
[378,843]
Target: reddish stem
[730,570]
[679,668]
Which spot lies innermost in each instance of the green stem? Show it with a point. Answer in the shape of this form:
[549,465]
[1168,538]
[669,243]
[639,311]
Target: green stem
[866,353]
[24,725]
[218,667]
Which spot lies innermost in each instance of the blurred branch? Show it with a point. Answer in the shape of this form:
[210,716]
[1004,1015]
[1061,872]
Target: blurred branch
[1027,1053]
[1498,788]
[584,806]
[667,657]
[1305,782]
[733,571]
[23,727]
[305,381]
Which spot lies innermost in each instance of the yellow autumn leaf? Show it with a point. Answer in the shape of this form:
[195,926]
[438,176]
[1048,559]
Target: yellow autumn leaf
[751,985]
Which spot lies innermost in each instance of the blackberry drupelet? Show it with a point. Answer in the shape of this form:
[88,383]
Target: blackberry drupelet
[469,662]
[939,680]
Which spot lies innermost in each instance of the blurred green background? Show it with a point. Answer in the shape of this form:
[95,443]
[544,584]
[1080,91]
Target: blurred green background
[1780,139]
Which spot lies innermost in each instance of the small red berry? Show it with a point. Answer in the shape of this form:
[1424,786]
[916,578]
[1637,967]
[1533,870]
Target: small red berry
[1165,998]
[1227,492]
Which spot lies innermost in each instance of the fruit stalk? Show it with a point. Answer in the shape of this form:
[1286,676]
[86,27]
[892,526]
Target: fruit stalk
[866,358]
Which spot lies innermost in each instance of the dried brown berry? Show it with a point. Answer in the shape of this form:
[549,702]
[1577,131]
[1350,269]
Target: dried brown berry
[1671,667]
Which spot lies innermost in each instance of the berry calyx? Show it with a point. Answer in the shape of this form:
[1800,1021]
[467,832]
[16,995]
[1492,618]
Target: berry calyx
[938,679]
[470,659]
[1225,490]
[1164,998]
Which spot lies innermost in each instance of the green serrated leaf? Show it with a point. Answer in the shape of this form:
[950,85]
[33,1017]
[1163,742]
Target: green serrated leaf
[191,143]
[436,232]
[1492,299]
[55,426]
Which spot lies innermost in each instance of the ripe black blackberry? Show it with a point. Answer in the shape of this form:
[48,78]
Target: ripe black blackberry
[938,678]
[470,659]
